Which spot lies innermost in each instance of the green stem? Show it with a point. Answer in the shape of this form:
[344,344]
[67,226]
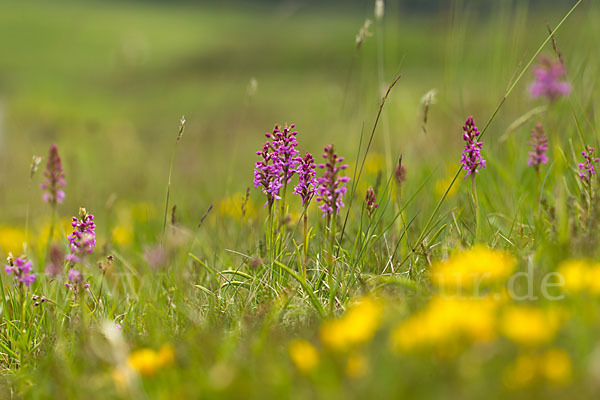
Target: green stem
[269,240]
[331,263]
[27,219]
[477,211]
[51,232]
[282,211]
[305,249]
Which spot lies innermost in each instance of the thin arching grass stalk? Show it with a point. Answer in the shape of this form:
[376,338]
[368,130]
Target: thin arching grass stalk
[489,121]
[381,83]
[477,209]
[305,247]
[357,177]
[35,162]
[179,136]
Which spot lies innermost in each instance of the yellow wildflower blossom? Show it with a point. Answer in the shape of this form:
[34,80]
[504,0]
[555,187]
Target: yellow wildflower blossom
[11,239]
[232,207]
[442,184]
[530,326]
[143,212]
[374,163]
[447,320]
[554,366]
[304,355]
[357,326]
[122,235]
[521,373]
[148,361]
[469,268]
[356,366]
[581,276]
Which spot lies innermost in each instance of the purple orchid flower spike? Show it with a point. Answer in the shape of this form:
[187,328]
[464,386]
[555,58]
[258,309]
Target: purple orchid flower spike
[472,160]
[332,187]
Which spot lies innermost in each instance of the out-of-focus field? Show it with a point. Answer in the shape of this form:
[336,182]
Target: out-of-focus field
[108,82]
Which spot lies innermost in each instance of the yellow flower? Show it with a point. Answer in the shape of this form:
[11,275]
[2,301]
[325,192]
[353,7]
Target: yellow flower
[479,265]
[143,212]
[374,163]
[304,355]
[581,276]
[356,366]
[232,206]
[357,326]
[122,235]
[148,361]
[556,366]
[11,239]
[122,378]
[530,326]
[62,229]
[442,184]
[520,373]
[445,321]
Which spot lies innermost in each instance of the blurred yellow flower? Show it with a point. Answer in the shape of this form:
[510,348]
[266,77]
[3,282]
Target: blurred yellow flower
[441,185]
[447,320]
[554,366]
[143,212]
[122,378]
[148,361]
[530,326]
[356,366]
[374,163]
[304,355]
[478,265]
[521,372]
[357,326]
[122,235]
[232,207]
[581,276]
[12,239]
[62,229]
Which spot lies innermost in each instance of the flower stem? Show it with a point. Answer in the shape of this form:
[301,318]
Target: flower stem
[477,211]
[331,263]
[305,249]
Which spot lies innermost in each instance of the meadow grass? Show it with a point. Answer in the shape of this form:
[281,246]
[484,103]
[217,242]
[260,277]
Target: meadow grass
[442,290]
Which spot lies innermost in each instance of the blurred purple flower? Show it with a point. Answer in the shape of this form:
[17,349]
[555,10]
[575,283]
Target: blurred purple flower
[539,142]
[21,269]
[57,257]
[156,256]
[55,178]
[331,186]
[83,239]
[587,169]
[548,81]
[400,173]
[471,156]
[371,201]
[76,280]
[307,182]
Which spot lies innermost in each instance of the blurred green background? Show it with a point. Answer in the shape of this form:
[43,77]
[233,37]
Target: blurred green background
[108,81]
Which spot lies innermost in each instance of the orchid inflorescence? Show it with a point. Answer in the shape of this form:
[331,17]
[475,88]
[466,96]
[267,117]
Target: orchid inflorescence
[472,159]
[280,162]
